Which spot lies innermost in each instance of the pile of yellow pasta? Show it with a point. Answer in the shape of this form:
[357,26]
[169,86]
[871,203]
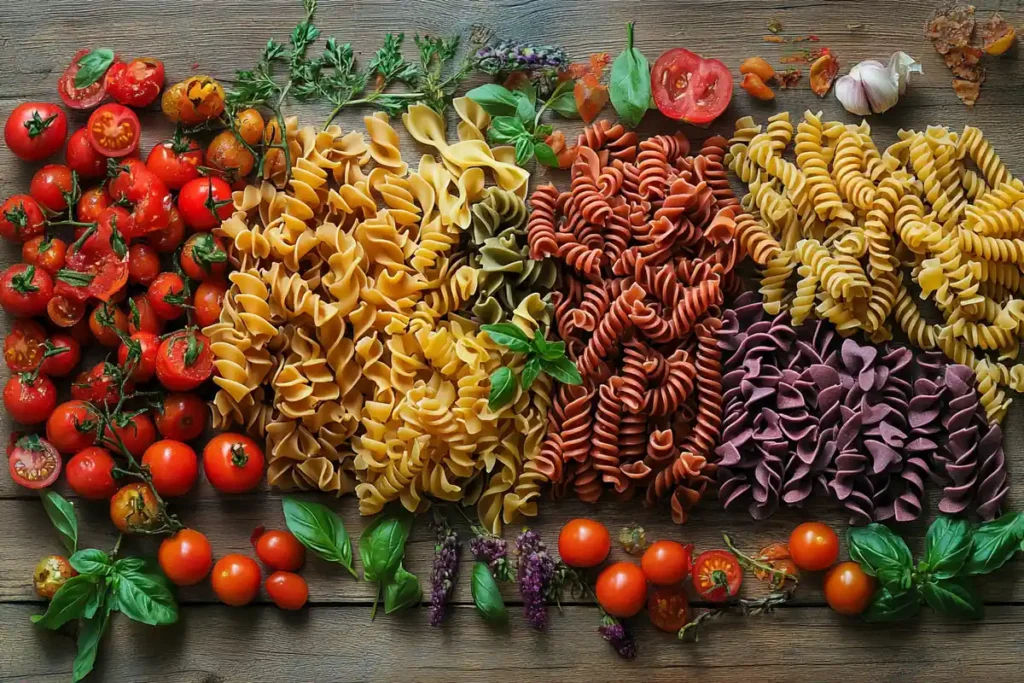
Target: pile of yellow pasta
[341,341]
[849,221]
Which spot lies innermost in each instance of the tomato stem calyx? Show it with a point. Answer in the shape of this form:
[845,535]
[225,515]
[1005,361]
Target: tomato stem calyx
[240,459]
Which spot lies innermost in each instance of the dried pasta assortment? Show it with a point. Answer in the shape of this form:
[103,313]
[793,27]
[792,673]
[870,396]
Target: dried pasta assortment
[853,222]
[346,339]
[645,238]
[808,413]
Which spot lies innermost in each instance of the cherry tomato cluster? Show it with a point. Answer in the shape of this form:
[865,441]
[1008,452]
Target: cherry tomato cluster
[814,547]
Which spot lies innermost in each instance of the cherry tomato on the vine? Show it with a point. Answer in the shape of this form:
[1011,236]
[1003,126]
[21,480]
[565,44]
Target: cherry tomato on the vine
[100,384]
[848,590]
[82,158]
[71,427]
[114,130]
[717,575]
[80,98]
[23,346]
[209,301]
[233,463]
[142,349]
[21,219]
[228,154]
[666,563]
[194,100]
[204,256]
[25,290]
[137,83]
[279,549]
[176,161]
[173,465]
[814,546]
[92,203]
[143,264]
[134,508]
[45,252]
[205,202]
[35,130]
[105,321]
[236,579]
[185,557]
[288,591]
[181,417]
[166,295]
[184,360]
[90,473]
[621,589]
[136,433]
[51,186]
[62,354]
[584,543]
[34,463]
[30,400]
[668,608]
[51,572]
[142,317]
[250,125]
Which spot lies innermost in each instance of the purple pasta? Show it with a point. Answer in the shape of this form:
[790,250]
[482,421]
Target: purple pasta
[808,413]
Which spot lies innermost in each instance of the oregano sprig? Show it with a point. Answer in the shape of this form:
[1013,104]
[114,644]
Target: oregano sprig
[541,356]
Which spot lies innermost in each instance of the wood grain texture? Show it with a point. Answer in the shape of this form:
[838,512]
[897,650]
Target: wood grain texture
[334,640]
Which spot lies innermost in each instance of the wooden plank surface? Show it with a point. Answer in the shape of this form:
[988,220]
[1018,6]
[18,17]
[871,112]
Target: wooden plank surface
[334,640]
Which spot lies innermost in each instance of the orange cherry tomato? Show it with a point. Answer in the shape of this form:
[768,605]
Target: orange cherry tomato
[133,508]
[848,590]
[622,589]
[185,557]
[584,543]
[666,563]
[236,579]
[288,591]
[757,88]
[814,546]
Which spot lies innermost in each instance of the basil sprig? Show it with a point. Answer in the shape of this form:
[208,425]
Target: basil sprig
[630,84]
[321,530]
[541,356]
[487,595]
[954,551]
[92,67]
[62,515]
[382,551]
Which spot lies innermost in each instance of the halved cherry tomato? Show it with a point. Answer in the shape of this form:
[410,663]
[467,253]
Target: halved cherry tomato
[50,574]
[287,590]
[21,219]
[100,384]
[717,575]
[176,161]
[204,256]
[28,399]
[45,252]
[142,317]
[185,557]
[35,130]
[278,550]
[584,543]
[142,347]
[184,360]
[205,202]
[209,301]
[776,556]
[173,465]
[134,508]
[82,158]
[96,263]
[62,353]
[65,312]
[667,563]
[71,426]
[181,417]
[668,608]
[166,295]
[233,463]
[167,239]
[114,130]
[621,589]
[137,83]
[51,186]
[690,88]
[25,290]
[79,98]
[92,203]
[143,264]
[90,473]
[23,346]
[814,546]
[236,579]
[34,463]
[196,99]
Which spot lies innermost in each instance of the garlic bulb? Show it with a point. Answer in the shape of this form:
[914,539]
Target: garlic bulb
[875,87]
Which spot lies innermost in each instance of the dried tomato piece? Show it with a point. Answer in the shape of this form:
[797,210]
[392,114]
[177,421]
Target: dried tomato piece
[753,84]
[591,96]
[967,91]
[823,73]
[997,35]
[951,27]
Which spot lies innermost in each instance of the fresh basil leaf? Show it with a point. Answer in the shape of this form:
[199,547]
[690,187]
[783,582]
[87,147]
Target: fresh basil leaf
[530,372]
[402,591]
[562,369]
[564,104]
[630,83]
[130,564]
[320,529]
[90,633]
[146,597]
[899,578]
[487,596]
[496,100]
[876,547]
[889,605]
[69,602]
[995,543]
[554,351]
[62,515]
[543,130]
[508,335]
[505,129]
[524,149]
[947,546]
[382,547]
[92,66]
[503,388]
[545,154]
[525,111]
[526,86]
[91,561]
[953,597]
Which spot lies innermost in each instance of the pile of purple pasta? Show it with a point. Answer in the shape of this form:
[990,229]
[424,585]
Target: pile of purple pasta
[809,413]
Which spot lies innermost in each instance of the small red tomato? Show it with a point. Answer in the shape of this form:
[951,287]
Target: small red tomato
[35,130]
[166,240]
[134,508]
[25,290]
[82,158]
[90,474]
[51,572]
[143,264]
[622,589]
[236,579]
[21,219]
[814,546]
[288,591]
[174,467]
[209,301]
[34,463]
[107,323]
[92,203]
[666,563]
[848,590]
[51,186]
[137,83]
[100,384]
[45,252]
[181,417]
[62,354]
[717,575]
[141,351]
[233,463]
[668,608]
[176,161]
[280,550]
[114,130]
[135,434]
[204,256]
[167,296]
[30,400]
[71,426]
[142,317]
[584,543]
[24,346]
[205,202]
[185,557]
[184,360]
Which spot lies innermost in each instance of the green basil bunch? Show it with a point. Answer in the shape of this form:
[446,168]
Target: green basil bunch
[105,584]
[541,356]
[516,119]
[321,530]
[382,551]
[954,552]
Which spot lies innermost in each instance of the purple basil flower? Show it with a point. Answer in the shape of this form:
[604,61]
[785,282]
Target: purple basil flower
[536,569]
[493,551]
[616,634]
[446,570]
[509,56]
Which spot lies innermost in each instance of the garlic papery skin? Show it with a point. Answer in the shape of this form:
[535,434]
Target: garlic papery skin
[903,65]
[881,87]
[850,93]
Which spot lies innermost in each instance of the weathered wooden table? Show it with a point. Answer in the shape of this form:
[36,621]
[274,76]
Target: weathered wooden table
[334,639]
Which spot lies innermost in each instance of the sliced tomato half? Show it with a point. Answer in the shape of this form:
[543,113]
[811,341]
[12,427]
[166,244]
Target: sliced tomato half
[80,98]
[689,88]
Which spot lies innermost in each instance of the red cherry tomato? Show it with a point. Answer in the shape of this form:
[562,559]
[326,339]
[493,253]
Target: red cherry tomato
[690,88]
[167,239]
[21,219]
[622,589]
[25,290]
[173,465]
[667,563]
[142,348]
[30,400]
[150,199]
[143,264]
[23,346]
[137,83]
[92,203]
[205,202]
[176,161]
[71,427]
[51,187]
[35,130]
[717,575]
[209,301]
[114,130]
[288,591]
[204,256]
[100,384]
[668,608]
[142,317]
[34,463]
[236,579]
[814,546]
[185,557]
[79,98]
[136,434]
[181,417]
[184,360]
[233,463]
[584,543]
[166,296]
[63,353]
[89,474]
[848,590]
[82,158]
[280,550]
[107,323]
[45,252]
